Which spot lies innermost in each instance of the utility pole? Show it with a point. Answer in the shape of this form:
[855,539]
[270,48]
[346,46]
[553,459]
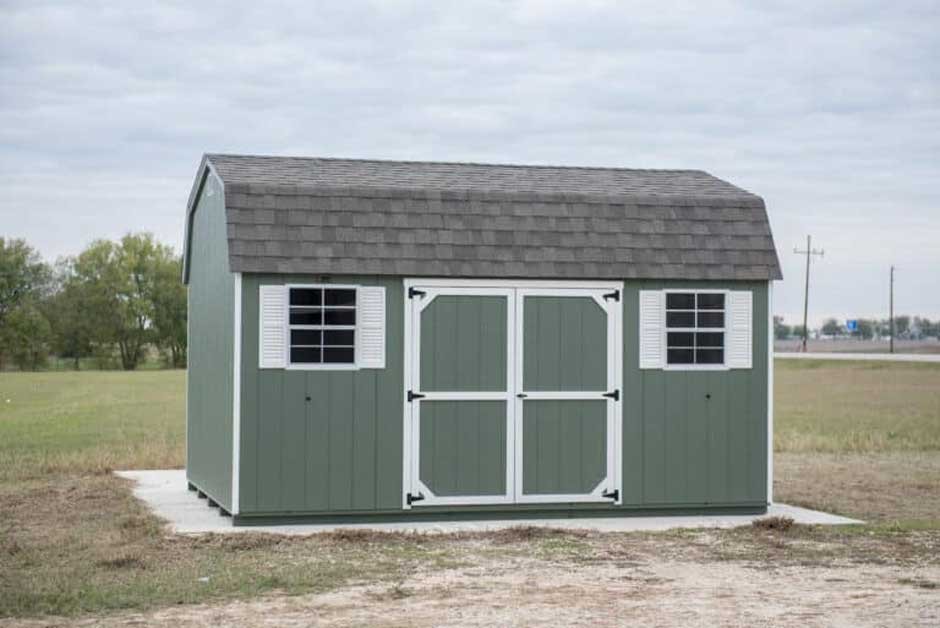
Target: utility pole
[809,252]
[891,308]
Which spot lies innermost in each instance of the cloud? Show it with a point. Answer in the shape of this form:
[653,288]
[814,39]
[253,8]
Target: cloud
[832,113]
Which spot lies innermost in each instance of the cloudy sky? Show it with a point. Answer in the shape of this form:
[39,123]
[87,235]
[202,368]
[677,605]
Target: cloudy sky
[831,114]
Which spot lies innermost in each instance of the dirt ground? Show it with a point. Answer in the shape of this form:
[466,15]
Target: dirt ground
[635,586]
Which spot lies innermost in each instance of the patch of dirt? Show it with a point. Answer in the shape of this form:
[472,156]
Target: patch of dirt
[530,592]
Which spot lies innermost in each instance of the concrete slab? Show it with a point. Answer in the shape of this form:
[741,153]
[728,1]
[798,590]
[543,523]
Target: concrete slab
[165,492]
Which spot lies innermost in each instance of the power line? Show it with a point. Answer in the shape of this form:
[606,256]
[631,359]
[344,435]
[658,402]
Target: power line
[809,252]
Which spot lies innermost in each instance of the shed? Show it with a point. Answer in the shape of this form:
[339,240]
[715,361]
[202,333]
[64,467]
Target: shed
[402,340]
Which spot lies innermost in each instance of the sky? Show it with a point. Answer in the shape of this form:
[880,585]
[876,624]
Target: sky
[831,113]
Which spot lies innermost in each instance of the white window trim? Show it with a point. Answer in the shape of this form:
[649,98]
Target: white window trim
[724,329]
[319,366]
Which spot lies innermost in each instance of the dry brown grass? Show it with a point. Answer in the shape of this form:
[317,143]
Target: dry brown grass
[830,406]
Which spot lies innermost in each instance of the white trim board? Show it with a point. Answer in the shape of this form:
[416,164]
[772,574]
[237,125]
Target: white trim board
[770,392]
[236,394]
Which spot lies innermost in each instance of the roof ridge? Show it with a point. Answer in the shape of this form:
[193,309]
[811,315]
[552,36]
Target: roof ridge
[462,163]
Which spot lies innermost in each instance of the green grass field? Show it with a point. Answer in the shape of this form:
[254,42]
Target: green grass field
[862,439]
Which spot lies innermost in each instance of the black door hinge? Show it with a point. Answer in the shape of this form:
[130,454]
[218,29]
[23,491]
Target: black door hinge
[411,498]
[414,292]
[413,395]
[613,395]
[614,494]
[522,395]
[615,295]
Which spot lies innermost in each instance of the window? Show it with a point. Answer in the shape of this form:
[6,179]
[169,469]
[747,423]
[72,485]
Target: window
[322,325]
[695,328]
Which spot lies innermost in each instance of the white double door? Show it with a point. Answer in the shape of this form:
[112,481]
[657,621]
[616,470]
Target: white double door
[512,393]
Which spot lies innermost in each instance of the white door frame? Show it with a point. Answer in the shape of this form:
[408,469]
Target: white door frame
[614,311]
[514,291]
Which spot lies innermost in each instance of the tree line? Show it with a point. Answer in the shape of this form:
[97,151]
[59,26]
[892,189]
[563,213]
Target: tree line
[116,302]
[905,327]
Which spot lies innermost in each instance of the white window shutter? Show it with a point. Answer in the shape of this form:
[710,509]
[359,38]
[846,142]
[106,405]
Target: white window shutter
[272,334]
[371,327]
[739,344]
[651,329]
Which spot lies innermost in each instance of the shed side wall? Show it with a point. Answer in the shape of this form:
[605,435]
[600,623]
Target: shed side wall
[341,452]
[209,384]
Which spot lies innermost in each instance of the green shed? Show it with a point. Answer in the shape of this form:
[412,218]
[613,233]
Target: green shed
[380,340]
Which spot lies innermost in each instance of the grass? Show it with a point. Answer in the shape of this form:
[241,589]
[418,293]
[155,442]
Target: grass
[854,438]
[860,407]
[90,422]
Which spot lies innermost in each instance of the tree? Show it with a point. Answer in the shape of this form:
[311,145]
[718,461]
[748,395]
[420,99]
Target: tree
[866,329]
[22,274]
[23,279]
[26,334]
[169,311]
[902,325]
[119,283]
[73,331]
[781,330]
[831,327]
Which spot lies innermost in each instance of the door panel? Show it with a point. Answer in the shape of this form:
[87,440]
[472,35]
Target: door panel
[461,410]
[463,447]
[565,346]
[463,343]
[564,446]
[567,411]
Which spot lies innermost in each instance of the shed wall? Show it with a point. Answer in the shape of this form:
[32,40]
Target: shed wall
[209,382]
[342,451]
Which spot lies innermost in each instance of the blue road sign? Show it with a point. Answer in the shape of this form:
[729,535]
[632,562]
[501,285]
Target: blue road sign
[851,324]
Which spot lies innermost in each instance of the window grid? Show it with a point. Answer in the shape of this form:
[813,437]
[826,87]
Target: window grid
[704,308]
[322,325]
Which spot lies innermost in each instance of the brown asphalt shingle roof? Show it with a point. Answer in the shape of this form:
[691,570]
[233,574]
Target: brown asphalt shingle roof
[348,216]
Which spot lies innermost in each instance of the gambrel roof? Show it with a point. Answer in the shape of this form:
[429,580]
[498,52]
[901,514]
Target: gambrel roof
[350,216]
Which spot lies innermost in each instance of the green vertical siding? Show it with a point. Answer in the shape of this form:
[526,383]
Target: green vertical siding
[690,439]
[340,451]
[565,344]
[463,447]
[209,383]
[694,437]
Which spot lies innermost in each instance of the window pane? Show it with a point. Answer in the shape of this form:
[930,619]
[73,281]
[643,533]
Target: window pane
[680,319]
[305,296]
[680,301]
[680,339]
[304,355]
[306,317]
[711,319]
[339,317]
[679,356]
[709,356]
[340,297]
[711,301]
[339,337]
[710,339]
[341,356]
[305,337]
